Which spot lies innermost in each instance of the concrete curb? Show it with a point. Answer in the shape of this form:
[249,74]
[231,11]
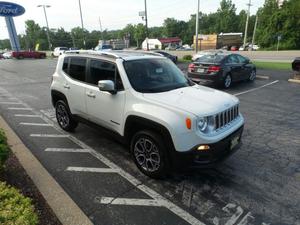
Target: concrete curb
[294,81]
[262,77]
[60,202]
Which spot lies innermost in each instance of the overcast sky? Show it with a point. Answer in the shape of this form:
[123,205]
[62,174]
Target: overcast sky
[114,14]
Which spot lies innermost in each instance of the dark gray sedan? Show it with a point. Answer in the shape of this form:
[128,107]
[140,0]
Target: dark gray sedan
[221,69]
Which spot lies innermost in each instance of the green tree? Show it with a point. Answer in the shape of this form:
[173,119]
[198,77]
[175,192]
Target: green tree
[33,33]
[139,34]
[226,19]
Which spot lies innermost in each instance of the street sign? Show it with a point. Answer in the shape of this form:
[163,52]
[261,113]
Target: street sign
[142,13]
[9,9]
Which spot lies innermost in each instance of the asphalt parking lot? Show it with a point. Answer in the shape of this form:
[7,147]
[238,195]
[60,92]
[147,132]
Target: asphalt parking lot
[259,184]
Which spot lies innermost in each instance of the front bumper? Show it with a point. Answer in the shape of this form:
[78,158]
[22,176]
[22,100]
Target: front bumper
[217,153]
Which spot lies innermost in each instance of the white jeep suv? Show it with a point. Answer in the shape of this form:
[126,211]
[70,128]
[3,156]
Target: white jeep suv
[167,120]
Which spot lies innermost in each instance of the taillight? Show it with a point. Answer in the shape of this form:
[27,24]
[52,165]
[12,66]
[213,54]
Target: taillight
[191,67]
[213,69]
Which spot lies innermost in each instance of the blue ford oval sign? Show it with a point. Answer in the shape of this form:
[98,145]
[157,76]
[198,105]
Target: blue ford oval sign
[11,9]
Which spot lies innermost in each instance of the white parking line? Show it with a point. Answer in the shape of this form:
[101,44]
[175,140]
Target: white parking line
[130,201]
[27,115]
[92,170]
[254,89]
[135,182]
[13,108]
[50,135]
[11,103]
[138,184]
[235,216]
[78,150]
[37,124]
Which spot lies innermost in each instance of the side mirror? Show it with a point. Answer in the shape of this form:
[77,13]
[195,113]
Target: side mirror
[107,85]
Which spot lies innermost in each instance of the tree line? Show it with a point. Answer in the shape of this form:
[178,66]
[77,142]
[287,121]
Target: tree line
[274,22]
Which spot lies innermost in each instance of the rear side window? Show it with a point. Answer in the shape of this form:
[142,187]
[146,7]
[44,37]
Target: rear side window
[65,65]
[77,68]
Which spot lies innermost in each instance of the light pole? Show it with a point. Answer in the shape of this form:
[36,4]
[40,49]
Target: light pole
[100,24]
[146,21]
[81,22]
[246,27]
[254,31]
[48,35]
[197,25]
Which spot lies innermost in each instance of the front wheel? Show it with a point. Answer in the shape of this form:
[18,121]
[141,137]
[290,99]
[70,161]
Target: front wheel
[64,117]
[227,81]
[148,151]
[252,75]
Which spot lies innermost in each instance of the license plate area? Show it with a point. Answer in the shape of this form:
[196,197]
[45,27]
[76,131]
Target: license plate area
[200,70]
[234,141]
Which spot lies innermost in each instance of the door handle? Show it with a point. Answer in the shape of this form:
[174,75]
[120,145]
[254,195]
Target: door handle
[66,86]
[91,95]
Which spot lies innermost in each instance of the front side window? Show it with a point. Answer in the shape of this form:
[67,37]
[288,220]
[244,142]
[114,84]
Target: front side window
[241,59]
[155,75]
[101,70]
[77,68]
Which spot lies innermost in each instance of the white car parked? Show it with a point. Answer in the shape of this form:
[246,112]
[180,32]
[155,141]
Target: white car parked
[59,51]
[7,55]
[166,120]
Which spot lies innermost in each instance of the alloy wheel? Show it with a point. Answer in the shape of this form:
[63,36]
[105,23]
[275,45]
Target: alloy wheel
[227,81]
[147,154]
[252,75]
[62,116]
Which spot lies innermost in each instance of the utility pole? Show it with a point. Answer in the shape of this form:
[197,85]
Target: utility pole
[247,21]
[146,21]
[197,25]
[254,31]
[82,23]
[100,24]
[48,31]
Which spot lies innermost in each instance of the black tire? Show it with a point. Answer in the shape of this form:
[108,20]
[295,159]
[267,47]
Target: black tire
[64,117]
[252,75]
[226,82]
[142,140]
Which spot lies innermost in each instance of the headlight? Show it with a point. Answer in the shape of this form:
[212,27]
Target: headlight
[202,123]
[206,124]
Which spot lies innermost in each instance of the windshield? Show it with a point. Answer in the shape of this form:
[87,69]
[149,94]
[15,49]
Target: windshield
[212,58]
[155,75]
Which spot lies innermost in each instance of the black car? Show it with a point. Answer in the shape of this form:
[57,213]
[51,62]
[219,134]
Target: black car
[173,58]
[221,69]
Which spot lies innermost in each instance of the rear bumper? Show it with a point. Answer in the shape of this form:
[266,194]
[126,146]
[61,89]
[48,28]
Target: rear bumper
[205,78]
[217,153]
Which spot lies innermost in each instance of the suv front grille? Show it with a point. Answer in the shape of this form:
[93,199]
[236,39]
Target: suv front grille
[225,117]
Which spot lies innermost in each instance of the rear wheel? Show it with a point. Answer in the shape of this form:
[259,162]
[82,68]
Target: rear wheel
[227,81]
[64,117]
[148,151]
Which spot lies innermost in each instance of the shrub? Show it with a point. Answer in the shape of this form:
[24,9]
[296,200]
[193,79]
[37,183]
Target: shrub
[187,57]
[15,208]
[4,149]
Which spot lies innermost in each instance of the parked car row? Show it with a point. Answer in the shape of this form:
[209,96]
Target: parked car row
[23,54]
